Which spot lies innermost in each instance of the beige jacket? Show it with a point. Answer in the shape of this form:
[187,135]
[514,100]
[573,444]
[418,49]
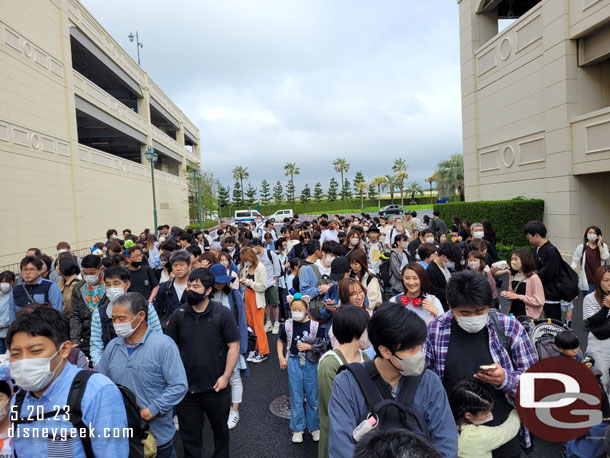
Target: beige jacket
[259,284]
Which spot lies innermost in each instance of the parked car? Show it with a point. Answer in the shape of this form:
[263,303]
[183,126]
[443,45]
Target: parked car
[281,214]
[246,215]
[391,210]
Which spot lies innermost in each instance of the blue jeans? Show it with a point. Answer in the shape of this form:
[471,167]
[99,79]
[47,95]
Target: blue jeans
[303,380]
[166,450]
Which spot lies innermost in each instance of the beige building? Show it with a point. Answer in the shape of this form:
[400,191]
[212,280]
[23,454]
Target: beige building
[536,108]
[76,115]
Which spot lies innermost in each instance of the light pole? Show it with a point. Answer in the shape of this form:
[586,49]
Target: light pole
[152,156]
[198,176]
[229,191]
[138,43]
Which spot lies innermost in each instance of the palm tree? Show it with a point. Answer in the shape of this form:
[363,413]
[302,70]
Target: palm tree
[241,173]
[291,169]
[391,183]
[430,180]
[449,176]
[414,188]
[400,169]
[341,166]
[380,182]
[361,188]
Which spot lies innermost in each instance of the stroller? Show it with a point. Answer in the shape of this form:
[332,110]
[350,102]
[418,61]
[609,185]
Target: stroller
[542,332]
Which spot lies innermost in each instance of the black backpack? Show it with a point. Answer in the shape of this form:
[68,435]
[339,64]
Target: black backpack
[567,284]
[138,426]
[384,269]
[391,413]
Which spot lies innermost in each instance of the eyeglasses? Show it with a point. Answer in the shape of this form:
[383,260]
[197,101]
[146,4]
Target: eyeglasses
[29,270]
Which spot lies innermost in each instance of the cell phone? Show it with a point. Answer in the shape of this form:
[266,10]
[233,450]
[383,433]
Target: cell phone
[487,368]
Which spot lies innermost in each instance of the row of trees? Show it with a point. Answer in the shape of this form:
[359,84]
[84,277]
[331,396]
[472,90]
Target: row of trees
[449,178]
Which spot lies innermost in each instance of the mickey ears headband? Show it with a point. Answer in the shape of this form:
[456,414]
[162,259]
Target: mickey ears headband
[298,297]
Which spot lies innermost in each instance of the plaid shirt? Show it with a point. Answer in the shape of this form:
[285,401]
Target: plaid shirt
[524,354]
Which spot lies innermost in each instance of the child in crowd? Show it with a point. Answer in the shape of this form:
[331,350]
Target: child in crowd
[471,402]
[568,345]
[6,392]
[304,342]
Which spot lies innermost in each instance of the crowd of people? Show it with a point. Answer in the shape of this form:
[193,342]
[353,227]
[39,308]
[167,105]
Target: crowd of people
[389,330]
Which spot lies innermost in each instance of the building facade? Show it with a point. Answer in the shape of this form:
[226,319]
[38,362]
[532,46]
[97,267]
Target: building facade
[536,108]
[76,115]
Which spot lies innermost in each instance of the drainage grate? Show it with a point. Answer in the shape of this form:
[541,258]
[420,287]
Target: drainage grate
[280,407]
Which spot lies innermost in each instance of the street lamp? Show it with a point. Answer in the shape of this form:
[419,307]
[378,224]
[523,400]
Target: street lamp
[198,176]
[138,44]
[152,156]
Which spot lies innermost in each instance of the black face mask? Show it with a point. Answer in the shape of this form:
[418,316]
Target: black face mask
[136,264]
[194,298]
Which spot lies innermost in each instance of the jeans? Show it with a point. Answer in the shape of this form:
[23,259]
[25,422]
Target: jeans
[191,419]
[166,450]
[303,380]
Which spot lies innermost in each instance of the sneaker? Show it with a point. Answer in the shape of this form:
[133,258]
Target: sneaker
[258,359]
[268,326]
[234,418]
[176,423]
[276,328]
[315,435]
[251,356]
[297,438]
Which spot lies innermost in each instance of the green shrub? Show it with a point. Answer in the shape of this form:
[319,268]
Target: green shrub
[206,225]
[507,218]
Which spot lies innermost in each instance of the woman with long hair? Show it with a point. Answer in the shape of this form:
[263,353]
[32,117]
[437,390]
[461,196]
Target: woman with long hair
[152,248]
[254,279]
[224,258]
[595,308]
[360,271]
[525,291]
[590,254]
[299,250]
[353,242]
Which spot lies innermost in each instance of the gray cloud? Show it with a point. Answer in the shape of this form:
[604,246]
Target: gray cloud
[273,81]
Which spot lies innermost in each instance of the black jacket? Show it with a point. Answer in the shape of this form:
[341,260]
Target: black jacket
[548,267]
[438,283]
[166,301]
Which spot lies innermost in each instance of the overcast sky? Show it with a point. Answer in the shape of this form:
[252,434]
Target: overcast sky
[306,81]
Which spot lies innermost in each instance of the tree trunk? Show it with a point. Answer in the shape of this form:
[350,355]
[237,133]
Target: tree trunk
[342,186]
[362,201]
[379,196]
[402,202]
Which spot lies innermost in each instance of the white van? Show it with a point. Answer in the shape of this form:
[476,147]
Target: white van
[281,214]
[246,215]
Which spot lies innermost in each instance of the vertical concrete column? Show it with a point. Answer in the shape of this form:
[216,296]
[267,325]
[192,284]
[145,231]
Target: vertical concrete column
[144,111]
[475,30]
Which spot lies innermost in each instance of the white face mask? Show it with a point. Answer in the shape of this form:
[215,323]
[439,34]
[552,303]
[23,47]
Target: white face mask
[412,365]
[124,330]
[247,264]
[114,293]
[482,421]
[472,324]
[34,374]
[328,260]
[5,287]
[298,316]
[429,240]
[478,234]
[354,241]
[92,279]
[591,237]
[405,245]
[448,264]
[474,265]
[225,263]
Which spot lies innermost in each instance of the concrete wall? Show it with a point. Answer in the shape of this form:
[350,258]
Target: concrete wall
[530,128]
[52,188]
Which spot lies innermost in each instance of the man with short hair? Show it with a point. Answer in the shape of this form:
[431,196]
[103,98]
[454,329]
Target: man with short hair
[374,248]
[149,364]
[126,234]
[416,242]
[398,373]
[437,225]
[465,338]
[117,283]
[269,229]
[34,289]
[208,339]
[398,228]
[548,267]
[142,278]
[439,271]
[332,233]
[271,261]
[44,334]
[171,292]
[258,226]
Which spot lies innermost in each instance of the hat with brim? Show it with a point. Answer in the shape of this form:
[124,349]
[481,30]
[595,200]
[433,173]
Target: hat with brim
[216,246]
[220,274]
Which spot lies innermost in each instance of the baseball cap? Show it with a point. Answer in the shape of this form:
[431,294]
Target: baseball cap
[339,267]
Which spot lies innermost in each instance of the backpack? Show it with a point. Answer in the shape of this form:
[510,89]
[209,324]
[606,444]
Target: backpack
[141,444]
[384,269]
[289,326]
[567,283]
[316,304]
[390,413]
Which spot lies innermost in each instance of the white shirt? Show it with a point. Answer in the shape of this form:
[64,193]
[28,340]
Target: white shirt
[322,268]
[179,290]
[423,314]
[328,235]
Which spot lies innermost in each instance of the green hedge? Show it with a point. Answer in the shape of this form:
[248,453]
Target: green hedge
[206,225]
[507,218]
[325,206]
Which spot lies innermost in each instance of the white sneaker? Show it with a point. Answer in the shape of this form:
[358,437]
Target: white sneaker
[315,435]
[234,418]
[268,326]
[276,328]
[297,438]
[251,355]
